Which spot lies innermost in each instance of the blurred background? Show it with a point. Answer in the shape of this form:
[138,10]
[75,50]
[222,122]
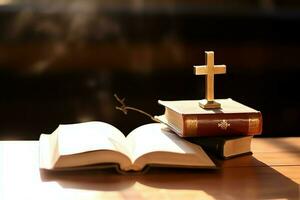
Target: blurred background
[61,61]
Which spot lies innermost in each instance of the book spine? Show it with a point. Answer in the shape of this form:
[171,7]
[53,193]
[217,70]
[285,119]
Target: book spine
[222,125]
[212,145]
[216,145]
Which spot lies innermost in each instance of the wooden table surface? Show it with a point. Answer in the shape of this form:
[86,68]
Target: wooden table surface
[272,172]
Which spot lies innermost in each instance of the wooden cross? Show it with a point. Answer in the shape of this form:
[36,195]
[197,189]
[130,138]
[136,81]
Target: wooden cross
[209,70]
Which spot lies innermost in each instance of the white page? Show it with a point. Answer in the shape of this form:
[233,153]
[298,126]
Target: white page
[90,136]
[151,138]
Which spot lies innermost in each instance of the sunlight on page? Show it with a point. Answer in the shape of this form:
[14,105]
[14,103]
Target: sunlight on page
[89,136]
[151,138]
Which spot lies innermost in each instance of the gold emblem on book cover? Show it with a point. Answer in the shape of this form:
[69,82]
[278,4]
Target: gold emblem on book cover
[223,124]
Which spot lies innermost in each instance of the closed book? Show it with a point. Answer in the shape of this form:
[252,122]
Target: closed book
[224,147]
[188,119]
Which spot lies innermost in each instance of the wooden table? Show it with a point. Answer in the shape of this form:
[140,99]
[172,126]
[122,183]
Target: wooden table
[272,172]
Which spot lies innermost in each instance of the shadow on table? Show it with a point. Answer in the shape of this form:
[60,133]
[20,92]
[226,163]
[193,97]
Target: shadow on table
[235,179]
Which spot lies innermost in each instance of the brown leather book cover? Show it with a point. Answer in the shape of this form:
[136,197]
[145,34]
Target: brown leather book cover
[188,119]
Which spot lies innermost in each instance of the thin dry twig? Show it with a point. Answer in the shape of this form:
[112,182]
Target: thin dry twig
[125,108]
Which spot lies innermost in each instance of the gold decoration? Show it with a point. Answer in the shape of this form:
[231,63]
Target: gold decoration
[223,124]
[253,124]
[192,124]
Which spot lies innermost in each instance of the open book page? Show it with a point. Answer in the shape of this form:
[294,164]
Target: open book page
[48,150]
[89,143]
[155,144]
[90,136]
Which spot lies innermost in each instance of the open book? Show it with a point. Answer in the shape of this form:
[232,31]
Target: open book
[94,144]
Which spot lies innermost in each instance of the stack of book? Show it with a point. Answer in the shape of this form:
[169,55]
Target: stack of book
[186,137]
[225,132]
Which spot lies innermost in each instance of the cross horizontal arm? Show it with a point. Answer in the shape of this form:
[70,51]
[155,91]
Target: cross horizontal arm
[220,69]
[202,69]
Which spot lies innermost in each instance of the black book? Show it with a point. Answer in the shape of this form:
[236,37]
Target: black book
[224,147]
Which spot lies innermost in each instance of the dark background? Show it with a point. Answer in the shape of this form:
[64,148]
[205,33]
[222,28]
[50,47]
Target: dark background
[62,61]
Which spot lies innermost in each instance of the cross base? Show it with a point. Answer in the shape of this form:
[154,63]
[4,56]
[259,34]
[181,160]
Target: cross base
[209,104]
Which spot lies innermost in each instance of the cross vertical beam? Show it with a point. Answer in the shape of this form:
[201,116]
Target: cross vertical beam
[209,70]
[209,78]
